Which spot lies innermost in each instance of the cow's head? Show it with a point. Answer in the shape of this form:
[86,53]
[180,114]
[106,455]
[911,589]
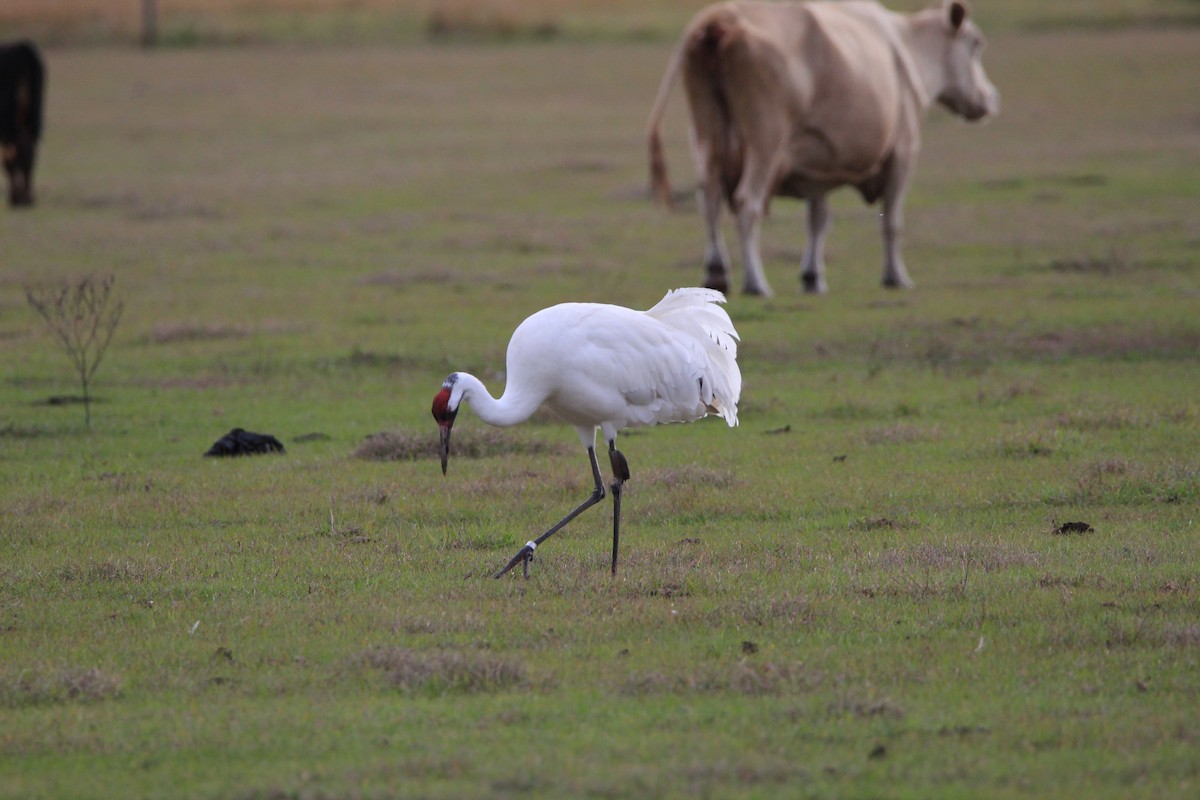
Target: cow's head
[18,159]
[952,49]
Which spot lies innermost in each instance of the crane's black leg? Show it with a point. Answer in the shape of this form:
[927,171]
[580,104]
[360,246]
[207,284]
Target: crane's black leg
[620,470]
[526,553]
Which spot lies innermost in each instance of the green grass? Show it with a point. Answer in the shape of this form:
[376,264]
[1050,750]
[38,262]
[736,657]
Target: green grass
[858,592]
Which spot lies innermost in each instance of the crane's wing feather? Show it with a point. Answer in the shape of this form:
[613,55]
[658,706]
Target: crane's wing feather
[696,312]
[595,364]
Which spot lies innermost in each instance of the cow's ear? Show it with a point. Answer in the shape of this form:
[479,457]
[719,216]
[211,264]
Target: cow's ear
[957,15]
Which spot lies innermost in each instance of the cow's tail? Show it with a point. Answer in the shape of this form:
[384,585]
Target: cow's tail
[660,186]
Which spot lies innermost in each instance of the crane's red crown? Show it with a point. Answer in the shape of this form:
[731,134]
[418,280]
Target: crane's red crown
[442,412]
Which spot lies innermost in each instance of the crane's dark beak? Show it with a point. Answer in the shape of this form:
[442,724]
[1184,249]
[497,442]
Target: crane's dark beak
[444,415]
[445,446]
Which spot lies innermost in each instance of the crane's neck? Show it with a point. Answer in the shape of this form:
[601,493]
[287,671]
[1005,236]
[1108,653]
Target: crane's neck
[514,405]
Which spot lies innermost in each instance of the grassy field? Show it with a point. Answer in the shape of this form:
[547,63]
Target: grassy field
[858,592]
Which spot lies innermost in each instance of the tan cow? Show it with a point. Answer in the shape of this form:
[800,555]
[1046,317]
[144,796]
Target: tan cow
[796,99]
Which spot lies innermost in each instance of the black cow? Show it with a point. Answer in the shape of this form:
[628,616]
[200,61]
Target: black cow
[22,80]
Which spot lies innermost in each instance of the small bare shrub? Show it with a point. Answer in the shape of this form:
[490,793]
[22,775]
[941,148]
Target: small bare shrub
[83,315]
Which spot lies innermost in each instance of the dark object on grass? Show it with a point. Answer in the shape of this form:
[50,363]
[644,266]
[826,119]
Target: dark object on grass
[22,82]
[1073,527]
[239,442]
[64,400]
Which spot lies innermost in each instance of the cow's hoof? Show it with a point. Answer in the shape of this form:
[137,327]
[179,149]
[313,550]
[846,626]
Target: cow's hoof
[812,284]
[715,279]
[892,283]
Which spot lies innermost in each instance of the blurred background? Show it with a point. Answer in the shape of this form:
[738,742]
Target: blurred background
[198,22]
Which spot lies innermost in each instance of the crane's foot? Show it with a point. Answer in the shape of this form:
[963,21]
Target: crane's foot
[523,557]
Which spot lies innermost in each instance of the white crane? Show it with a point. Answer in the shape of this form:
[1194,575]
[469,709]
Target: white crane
[608,367]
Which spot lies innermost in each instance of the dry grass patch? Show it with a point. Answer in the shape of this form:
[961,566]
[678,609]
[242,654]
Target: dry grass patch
[445,671]
[401,279]
[443,624]
[11,430]
[173,332]
[1110,419]
[177,332]
[939,570]
[857,707]
[787,610]
[1110,341]
[111,570]
[943,557]
[1110,263]
[969,347]
[496,19]
[900,433]
[1092,582]
[68,684]
[1185,635]
[1121,481]
[688,477]
[407,445]
[1026,445]
[880,523]
[746,677]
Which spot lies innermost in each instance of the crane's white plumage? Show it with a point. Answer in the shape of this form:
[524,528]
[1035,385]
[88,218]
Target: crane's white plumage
[597,365]
[609,367]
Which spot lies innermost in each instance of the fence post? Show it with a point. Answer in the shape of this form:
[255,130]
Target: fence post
[149,23]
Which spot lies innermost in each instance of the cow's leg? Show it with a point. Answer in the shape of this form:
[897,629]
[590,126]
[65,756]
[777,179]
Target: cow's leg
[895,276]
[716,258]
[749,220]
[8,153]
[749,203]
[812,270]
[28,156]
